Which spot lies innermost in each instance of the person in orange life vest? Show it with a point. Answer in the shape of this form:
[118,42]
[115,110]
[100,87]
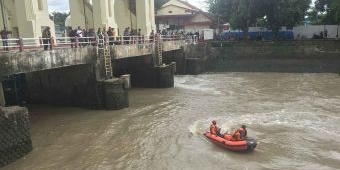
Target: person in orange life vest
[240,134]
[215,130]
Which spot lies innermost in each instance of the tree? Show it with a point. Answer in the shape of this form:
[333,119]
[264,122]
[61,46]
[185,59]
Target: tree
[240,13]
[59,18]
[220,9]
[284,13]
[314,16]
[329,10]
[245,13]
[322,5]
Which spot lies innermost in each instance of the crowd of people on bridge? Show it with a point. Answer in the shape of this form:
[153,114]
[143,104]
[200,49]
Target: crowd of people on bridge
[130,36]
[81,37]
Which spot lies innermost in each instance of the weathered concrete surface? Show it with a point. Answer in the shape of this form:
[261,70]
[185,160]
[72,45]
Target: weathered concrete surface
[29,61]
[177,56]
[24,62]
[15,137]
[173,45]
[154,77]
[285,56]
[189,59]
[67,86]
[114,95]
[133,50]
[280,50]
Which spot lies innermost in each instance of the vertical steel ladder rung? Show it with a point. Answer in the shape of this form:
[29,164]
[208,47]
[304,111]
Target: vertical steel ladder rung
[107,62]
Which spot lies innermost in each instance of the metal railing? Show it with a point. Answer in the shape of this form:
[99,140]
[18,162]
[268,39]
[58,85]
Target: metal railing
[36,44]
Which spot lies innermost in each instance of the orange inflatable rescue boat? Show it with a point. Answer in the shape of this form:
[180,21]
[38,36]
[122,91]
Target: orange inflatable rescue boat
[227,143]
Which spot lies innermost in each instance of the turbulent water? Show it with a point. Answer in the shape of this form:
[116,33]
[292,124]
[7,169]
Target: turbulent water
[295,117]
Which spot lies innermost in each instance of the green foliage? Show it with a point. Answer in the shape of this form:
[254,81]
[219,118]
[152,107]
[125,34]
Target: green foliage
[314,16]
[219,8]
[272,13]
[336,9]
[328,11]
[284,12]
[322,5]
[59,18]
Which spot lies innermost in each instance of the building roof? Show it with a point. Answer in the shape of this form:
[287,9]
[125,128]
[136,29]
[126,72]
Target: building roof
[191,6]
[181,4]
[175,16]
[188,16]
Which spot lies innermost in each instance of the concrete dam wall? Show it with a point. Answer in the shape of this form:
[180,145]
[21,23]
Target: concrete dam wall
[286,56]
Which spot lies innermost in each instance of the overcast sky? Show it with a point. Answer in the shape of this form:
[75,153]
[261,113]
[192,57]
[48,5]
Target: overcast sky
[63,6]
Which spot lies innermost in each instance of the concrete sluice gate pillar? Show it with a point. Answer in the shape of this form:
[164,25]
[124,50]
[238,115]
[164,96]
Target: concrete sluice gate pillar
[15,138]
[115,96]
[154,77]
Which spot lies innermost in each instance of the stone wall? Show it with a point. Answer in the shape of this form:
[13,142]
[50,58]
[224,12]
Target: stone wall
[287,56]
[15,137]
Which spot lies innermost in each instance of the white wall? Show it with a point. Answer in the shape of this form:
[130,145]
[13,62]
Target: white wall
[306,31]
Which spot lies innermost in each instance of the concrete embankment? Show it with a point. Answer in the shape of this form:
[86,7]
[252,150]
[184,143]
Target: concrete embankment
[312,56]
[15,138]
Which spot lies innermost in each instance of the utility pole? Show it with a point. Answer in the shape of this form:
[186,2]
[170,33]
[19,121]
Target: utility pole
[2,12]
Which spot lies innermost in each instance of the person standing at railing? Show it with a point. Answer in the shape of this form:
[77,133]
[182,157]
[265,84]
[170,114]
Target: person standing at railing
[73,35]
[85,37]
[152,35]
[92,36]
[80,35]
[105,36]
[46,35]
[110,35]
[126,35]
[139,36]
[100,37]
[4,36]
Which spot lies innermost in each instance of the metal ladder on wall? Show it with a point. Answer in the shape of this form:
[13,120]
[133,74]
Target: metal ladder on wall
[159,51]
[107,62]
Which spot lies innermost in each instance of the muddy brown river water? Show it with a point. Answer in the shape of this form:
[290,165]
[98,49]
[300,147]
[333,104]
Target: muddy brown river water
[295,117]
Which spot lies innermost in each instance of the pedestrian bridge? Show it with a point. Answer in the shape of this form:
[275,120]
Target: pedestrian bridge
[27,54]
[89,71]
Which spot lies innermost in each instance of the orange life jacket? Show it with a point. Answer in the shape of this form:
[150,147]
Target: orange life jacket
[240,134]
[213,129]
[236,136]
